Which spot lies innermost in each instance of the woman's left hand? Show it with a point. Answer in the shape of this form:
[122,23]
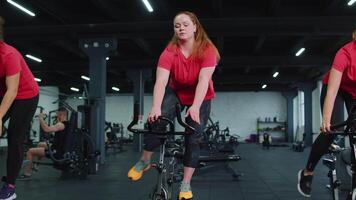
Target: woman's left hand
[193,112]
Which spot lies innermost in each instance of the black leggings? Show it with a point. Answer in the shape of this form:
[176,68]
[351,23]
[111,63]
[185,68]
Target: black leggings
[323,141]
[20,115]
[192,141]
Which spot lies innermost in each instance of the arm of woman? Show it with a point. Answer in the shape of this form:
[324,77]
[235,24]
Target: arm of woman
[12,85]
[162,77]
[333,88]
[200,92]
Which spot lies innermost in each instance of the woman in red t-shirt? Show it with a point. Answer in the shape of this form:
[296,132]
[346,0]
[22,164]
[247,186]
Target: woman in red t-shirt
[340,81]
[19,97]
[186,66]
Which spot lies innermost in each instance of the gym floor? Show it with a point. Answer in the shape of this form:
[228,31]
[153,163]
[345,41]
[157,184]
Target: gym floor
[268,175]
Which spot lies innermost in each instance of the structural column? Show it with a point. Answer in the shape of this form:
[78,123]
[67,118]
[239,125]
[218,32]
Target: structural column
[308,88]
[97,50]
[290,114]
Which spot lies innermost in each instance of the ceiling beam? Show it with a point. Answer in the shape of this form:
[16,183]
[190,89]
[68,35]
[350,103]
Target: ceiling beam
[49,11]
[331,6]
[247,79]
[109,9]
[273,8]
[340,25]
[70,48]
[217,6]
[140,42]
[261,40]
[251,87]
[226,62]
[337,44]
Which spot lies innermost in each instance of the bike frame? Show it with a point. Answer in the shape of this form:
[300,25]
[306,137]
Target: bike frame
[164,187]
[350,131]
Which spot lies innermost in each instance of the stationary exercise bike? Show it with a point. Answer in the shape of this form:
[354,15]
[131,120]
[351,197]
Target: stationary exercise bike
[167,174]
[349,131]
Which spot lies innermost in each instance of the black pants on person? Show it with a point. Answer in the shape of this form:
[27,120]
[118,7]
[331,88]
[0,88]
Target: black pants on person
[323,141]
[19,115]
[192,141]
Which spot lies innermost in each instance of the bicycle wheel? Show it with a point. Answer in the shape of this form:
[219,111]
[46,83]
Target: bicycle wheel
[163,195]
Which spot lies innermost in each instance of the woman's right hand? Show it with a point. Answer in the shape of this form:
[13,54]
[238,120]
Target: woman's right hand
[154,114]
[325,126]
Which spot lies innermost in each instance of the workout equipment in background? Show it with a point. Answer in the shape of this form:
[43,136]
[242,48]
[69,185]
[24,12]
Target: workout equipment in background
[78,151]
[276,129]
[166,167]
[298,145]
[42,133]
[31,139]
[266,141]
[220,140]
[3,139]
[52,118]
[350,131]
[114,137]
[219,152]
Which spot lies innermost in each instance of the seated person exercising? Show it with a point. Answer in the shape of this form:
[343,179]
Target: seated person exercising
[57,146]
[339,82]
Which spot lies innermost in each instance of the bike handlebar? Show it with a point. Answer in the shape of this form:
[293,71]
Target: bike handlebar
[351,121]
[336,126]
[170,122]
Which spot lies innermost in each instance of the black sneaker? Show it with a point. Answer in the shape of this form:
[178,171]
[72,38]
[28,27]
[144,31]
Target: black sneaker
[304,184]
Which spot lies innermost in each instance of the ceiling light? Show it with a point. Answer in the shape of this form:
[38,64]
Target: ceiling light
[85,78]
[275,74]
[300,51]
[21,8]
[33,58]
[115,89]
[107,58]
[264,86]
[148,5]
[351,2]
[74,89]
[38,79]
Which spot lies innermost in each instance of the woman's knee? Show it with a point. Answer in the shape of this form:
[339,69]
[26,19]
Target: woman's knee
[192,150]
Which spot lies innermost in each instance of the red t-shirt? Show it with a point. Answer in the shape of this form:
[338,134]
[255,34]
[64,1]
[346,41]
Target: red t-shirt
[345,62]
[12,62]
[184,72]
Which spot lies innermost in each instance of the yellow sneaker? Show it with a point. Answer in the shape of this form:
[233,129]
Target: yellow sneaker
[185,192]
[185,195]
[137,171]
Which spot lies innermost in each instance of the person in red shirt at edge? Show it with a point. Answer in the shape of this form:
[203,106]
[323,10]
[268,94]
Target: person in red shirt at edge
[19,94]
[339,81]
[186,65]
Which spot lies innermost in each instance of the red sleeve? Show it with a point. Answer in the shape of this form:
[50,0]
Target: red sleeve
[166,59]
[210,58]
[12,64]
[341,60]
